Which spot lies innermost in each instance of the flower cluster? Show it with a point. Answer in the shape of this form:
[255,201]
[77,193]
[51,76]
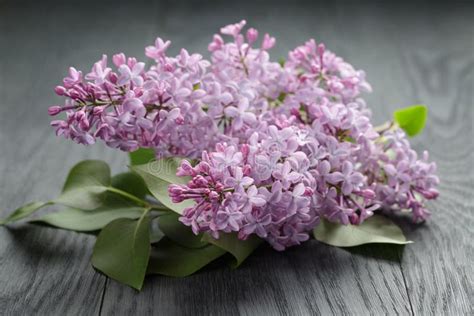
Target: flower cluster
[133,108]
[281,145]
[282,181]
[401,179]
[263,187]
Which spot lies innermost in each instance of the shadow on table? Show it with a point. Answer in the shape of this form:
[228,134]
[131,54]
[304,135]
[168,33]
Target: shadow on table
[270,279]
[40,241]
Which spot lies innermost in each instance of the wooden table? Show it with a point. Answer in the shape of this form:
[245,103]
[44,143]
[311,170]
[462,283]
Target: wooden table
[412,53]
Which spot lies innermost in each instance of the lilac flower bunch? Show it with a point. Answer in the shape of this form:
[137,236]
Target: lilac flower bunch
[180,106]
[263,187]
[279,184]
[134,107]
[280,146]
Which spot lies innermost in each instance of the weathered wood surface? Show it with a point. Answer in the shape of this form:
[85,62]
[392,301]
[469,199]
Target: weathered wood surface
[413,53]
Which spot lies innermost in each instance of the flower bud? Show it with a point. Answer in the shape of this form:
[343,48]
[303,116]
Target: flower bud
[213,195]
[97,110]
[252,35]
[430,194]
[247,170]
[354,219]
[245,149]
[60,90]
[179,120]
[113,78]
[203,167]
[268,42]
[367,193]
[321,48]
[119,59]
[74,94]
[308,191]
[131,61]
[219,187]
[54,110]
[168,67]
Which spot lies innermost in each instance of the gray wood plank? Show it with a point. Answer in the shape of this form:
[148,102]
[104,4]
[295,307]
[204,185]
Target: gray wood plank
[431,61]
[438,267]
[44,271]
[410,55]
[311,279]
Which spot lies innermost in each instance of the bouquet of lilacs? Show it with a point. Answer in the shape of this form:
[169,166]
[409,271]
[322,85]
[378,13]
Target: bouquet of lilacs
[229,152]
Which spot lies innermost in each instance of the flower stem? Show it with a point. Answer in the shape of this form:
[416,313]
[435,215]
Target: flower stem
[129,196]
[385,127]
[159,208]
[145,204]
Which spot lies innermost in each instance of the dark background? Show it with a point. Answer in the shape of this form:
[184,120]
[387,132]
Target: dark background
[413,52]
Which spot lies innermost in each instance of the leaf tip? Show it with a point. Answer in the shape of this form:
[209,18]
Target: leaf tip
[411,119]
[138,286]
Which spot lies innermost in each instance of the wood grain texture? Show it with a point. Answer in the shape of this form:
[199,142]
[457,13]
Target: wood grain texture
[438,268]
[312,279]
[44,271]
[412,53]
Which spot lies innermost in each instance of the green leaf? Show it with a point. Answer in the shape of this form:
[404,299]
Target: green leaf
[171,259]
[158,175]
[375,229]
[240,249]
[80,220]
[141,156]
[130,182]
[122,250]
[85,185]
[411,119]
[23,212]
[178,232]
[114,206]
[155,232]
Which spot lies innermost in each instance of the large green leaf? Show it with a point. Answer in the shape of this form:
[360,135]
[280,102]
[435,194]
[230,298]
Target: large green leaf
[23,212]
[155,232]
[141,156]
[178,232]
[114,206]
[130,182]
[375,229]
[240,249]
[169,258]
[158,175]
[411,119]
[86,189]
[85,185]
[122,250]
[80,220]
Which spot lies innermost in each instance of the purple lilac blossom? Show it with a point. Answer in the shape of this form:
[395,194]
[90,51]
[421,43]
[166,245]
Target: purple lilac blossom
[280,145]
